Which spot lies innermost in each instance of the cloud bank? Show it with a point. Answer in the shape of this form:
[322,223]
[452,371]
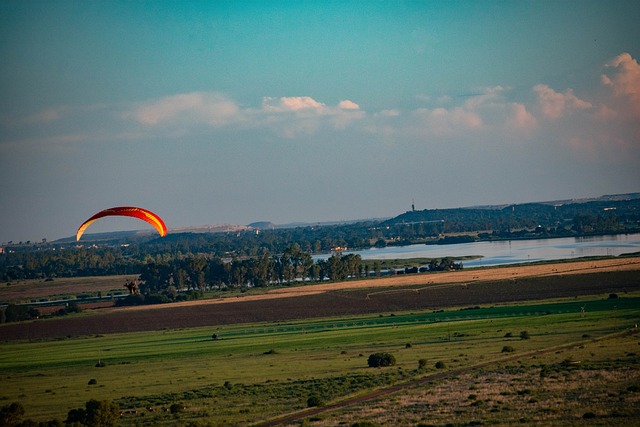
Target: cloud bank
[591,121]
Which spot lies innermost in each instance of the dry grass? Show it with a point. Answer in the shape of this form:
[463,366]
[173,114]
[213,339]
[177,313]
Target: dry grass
[603,389]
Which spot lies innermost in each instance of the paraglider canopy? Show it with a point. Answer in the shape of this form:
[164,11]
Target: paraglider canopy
[132,211]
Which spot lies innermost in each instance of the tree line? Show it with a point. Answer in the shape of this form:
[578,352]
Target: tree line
[189,277]
[166,279]
[130,255]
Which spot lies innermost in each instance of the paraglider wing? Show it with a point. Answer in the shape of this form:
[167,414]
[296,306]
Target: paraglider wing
[131,211]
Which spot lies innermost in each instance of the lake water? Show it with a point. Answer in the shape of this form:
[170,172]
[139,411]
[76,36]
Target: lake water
[511,251]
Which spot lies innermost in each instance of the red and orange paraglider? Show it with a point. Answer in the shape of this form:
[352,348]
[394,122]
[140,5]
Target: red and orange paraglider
[131,211]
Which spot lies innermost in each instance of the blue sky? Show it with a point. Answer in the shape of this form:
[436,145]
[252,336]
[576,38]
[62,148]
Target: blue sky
[235,112]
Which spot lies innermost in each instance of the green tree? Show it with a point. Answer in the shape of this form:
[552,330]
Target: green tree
[377,360]
[10,415]
[337,268]
[16,313]
[97,413]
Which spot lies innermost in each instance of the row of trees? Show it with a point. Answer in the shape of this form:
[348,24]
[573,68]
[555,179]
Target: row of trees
[188,277]
[203,273]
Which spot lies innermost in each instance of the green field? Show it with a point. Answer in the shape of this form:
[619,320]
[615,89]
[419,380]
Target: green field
[259,371]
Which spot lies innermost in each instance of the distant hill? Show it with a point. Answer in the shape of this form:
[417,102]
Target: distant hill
[545,213]
[605,198]
[480,217]
[262,225]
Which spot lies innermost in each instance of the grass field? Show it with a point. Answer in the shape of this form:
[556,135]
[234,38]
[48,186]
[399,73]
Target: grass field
[254,372]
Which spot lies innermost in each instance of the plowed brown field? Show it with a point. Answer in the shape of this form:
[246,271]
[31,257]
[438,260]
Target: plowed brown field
[405,292]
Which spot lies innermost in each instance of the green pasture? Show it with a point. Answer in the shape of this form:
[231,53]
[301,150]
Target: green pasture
[253,371]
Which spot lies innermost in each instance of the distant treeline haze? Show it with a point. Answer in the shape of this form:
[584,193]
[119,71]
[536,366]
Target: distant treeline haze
[269,256]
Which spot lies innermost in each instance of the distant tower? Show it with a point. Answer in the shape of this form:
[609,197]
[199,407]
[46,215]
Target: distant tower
[413,205]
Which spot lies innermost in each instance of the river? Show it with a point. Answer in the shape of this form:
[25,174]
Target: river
[511,251]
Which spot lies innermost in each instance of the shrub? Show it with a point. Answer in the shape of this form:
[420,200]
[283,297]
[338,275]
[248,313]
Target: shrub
[422,364]
[508,349]
[93,381]
[524,335]
[11,415]
[440,365]
[95,413]
[176,408]
[315,400]
[377,360]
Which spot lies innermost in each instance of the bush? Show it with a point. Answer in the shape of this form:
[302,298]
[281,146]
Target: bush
[440,365]
[524,335]
[176,408]
[315,400]
[422,364]
[93,381]
[17,313]
[508,349]
[11,415]
[95,413]
[378,360]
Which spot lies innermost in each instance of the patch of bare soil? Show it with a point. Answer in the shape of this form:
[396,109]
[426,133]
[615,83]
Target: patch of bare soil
[36,289]
[427,291]
[429,279]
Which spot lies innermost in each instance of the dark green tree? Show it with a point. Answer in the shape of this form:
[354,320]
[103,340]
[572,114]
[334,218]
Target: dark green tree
[96,413]
[378,360]
[11,415]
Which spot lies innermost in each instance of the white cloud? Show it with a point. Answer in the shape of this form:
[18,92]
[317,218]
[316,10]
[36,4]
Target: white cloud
[488,96]
[555,105]
[292,104]
[204,107]
[348,105]
[441,122]
[291,116]
[520,118]
[494,113]
[625,85]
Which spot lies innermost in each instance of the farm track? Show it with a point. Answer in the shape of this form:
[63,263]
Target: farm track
[300,415]
[404,292]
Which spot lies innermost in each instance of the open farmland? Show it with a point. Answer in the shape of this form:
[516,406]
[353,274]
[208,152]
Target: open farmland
[272,352]
[27,290]
[407,292]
